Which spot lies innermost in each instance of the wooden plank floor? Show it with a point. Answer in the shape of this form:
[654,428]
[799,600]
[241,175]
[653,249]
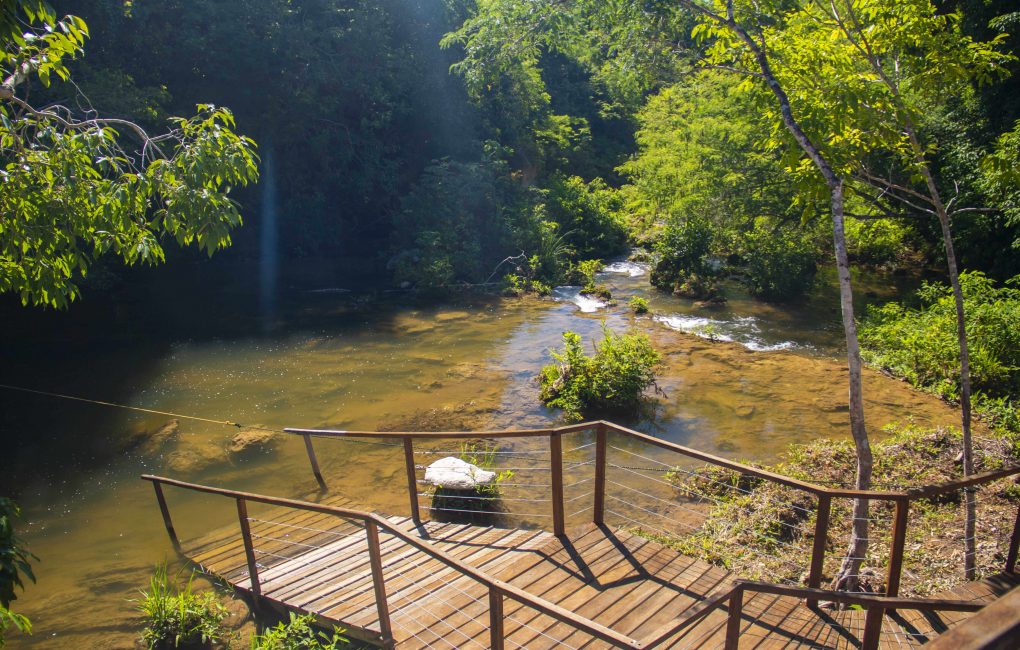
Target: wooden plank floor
[316,563]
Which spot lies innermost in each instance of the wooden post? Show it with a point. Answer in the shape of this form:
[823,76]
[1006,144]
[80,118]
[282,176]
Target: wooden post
[899,538]
[599,510]
[249,550]
[166,516]
[495,619]
[1014,544]
[821,535]
[733,622]
[873,626]
[314,461]
[556,464]
[412,479]
[378,583]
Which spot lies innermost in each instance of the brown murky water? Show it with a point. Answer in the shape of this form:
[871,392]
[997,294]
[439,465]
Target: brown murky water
[346,365]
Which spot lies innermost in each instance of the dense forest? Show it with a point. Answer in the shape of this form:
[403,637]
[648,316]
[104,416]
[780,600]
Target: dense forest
[428,167]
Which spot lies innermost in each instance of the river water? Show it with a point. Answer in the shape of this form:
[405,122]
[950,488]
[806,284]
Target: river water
[742,380]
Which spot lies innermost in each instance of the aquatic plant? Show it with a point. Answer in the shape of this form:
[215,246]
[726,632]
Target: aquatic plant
[610,380]
[176,616]
[298,634]
[638,305]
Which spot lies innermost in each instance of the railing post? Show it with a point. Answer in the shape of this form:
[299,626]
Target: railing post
[556,464]
[599,509]
[166,516]
[821,536]
[378,583]
[899,538]
[736,607]
[495,619]
[249,550]
[314,461]
[412,479]
[873,625]
[1014,545]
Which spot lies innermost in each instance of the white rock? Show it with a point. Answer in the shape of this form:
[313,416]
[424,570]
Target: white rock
[456,474]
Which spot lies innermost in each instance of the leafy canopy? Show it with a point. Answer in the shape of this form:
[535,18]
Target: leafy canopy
[75,186]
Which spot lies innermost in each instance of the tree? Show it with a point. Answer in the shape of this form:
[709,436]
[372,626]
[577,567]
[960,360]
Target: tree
[77,186]
[885,64]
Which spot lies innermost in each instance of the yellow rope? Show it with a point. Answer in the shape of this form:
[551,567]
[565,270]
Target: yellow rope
[124,406]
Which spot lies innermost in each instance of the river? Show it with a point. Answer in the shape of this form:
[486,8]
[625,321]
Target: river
[765,376]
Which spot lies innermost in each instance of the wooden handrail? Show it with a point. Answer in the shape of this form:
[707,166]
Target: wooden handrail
[899,498]
[952,486]
[596,424]
[506,589]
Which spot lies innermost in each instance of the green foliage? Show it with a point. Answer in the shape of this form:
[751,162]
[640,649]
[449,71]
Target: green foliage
[921,344]
[80,190]
[589,212]
[876,241]
[583,272]
[14,565]
[610,380]
[176,616]
[780,262]
[683,251]
[638,305]
[459,221]
[298,634]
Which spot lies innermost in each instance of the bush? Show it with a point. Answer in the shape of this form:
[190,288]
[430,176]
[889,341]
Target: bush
[611,380]
[176,617]
[298,634]
[921,344]
[781,263]
[683,251]
[638,305]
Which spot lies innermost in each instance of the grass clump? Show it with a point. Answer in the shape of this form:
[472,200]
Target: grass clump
[611,380]
[177,617]
[298,634]
[763,530]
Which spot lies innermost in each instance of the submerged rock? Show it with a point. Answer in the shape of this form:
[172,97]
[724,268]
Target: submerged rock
[156,439]
[252,440]
[455,474]
[190,461]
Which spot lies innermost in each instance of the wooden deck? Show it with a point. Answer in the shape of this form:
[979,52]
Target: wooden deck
[318,563]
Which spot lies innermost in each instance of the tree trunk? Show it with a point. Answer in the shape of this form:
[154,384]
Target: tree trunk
[848,577]
[849,574]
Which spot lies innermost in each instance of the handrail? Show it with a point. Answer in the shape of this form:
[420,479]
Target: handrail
[900,499]
[495,585]
[665,444]
[730,594]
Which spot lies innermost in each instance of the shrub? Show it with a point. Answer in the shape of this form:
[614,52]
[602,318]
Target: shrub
[176,616]
[921,344]
[781,263]
[683,251]
[638,305]
[583,272]
[297,634]
[610,380]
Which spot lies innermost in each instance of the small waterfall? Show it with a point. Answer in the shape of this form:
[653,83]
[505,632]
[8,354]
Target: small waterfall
[268,244]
